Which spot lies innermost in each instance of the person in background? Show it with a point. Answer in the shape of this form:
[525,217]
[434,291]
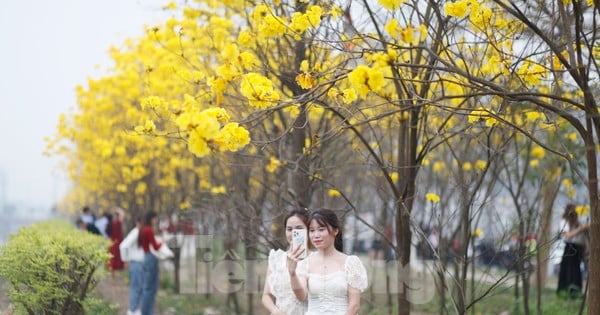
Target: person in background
[328,279]
[570,277]
[89,227]
[133,254]
[278,297]
[103,223]
[116,236]
[146,239]
[87,216]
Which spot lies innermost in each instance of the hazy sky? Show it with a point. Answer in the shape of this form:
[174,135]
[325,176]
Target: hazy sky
[48,48]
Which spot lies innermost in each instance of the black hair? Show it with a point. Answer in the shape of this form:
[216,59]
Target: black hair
[329,219]
[146,222]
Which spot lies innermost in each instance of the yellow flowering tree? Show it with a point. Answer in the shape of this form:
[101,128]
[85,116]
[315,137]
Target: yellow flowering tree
[322,101]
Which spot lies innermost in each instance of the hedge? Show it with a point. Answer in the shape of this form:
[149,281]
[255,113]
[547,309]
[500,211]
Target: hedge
[51,267]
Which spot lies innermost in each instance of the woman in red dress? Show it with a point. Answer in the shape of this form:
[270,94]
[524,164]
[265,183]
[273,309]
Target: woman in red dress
[116,237]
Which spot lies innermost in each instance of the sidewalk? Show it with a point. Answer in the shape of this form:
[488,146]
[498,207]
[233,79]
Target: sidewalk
[115,291]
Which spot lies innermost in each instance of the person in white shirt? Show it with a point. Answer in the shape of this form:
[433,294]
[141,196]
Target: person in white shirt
[132,253]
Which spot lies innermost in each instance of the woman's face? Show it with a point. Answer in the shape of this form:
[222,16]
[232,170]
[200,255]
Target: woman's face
[293,223]
[321,236]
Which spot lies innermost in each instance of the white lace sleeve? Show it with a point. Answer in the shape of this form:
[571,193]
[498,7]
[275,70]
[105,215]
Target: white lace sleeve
[356,274]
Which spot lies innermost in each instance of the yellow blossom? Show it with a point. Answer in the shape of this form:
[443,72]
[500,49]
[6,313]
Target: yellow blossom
[582,209]
[171,6]
[245,39]
[232,137]
[457,9]
[393,28]
[305,80]
[333,193]
[480,165]
[293,111]
[148,127]
[230,52]
[431,197]
[248,60]
[481,16]
[534,163]
[273,165]
[478,233]
[218,190]
[272,26]
[259,90]
[349,96]
[184,205]
[141,189]
[533,116]
[467,166]
[391,4]
[571,136]
[438,166]
[531,72]
[121,188]
[220,114]
[197,145]
[153,102]
[394,176]
[538,152]
[365,79]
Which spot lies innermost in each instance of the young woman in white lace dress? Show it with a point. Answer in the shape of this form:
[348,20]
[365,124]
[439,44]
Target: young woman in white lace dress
[328,279]
[278,297]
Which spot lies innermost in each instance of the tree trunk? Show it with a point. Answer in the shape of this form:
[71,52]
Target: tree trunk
[549,193]
[594,233]
[300,176]
[404,234]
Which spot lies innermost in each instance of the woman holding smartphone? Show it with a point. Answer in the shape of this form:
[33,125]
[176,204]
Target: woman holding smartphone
[278,297]
[329,280]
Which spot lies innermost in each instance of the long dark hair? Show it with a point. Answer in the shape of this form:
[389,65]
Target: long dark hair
[329,219]
[147,221]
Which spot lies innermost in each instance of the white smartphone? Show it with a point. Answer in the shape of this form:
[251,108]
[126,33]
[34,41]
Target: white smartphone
[300,239]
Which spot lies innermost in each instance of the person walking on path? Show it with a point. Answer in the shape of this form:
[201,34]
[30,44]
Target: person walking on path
[147,239]
[116,237]
[133,254]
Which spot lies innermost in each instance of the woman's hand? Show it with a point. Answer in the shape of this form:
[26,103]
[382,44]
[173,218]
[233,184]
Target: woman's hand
[278,312]
[293,257]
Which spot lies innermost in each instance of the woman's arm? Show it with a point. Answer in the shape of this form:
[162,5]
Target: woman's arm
[580,229]
[268,299]
[147,231]
[353,301]
[298,282]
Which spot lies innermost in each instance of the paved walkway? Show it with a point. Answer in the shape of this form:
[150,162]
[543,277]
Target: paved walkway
[115,291]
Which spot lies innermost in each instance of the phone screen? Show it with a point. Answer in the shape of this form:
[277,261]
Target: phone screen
[299,238]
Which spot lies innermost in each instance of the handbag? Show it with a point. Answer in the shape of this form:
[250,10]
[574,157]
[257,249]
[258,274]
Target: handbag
[164,252]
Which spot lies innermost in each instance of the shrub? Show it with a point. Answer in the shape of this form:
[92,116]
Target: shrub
[51,267]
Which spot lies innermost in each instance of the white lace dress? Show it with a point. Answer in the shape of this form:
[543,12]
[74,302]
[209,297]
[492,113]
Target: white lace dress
[328,294]
[279,283]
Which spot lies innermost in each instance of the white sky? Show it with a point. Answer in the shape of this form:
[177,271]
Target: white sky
[48,48]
